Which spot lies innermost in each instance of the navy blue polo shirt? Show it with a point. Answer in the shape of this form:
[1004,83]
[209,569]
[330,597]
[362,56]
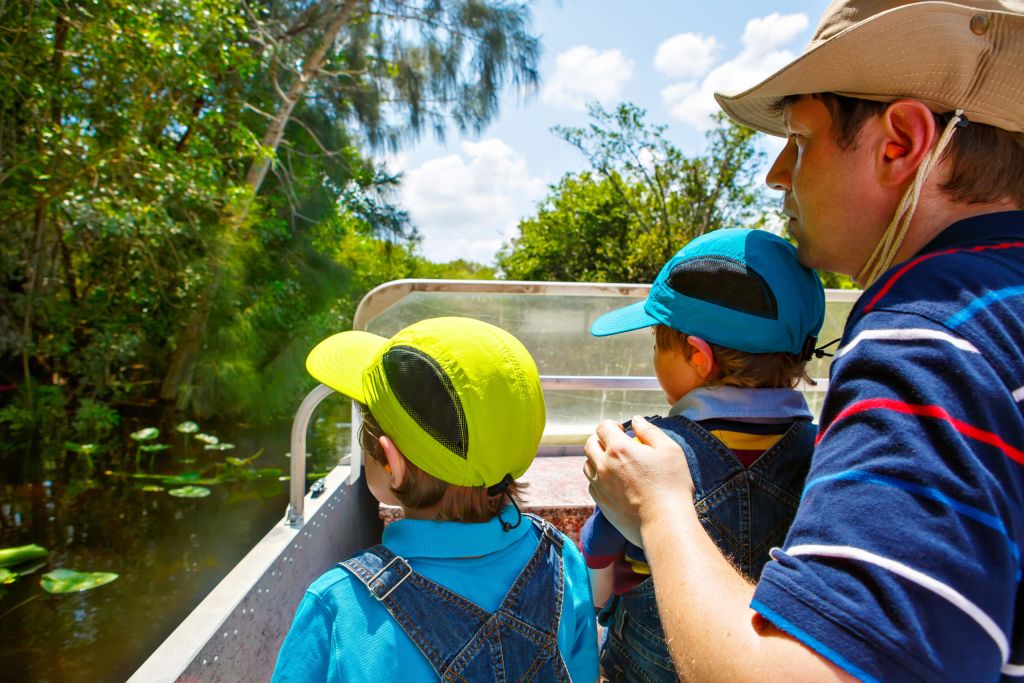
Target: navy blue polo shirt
[903,562]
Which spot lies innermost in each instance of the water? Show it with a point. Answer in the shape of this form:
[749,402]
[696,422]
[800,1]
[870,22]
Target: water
[169,552]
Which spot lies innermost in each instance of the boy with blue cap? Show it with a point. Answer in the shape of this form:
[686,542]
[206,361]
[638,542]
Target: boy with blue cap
[735,319]
[464,587]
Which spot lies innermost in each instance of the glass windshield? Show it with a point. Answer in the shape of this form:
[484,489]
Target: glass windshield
[554,324]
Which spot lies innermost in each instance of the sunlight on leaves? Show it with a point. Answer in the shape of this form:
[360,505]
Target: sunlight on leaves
[188,427]
[190,492]
[219,446]
[208,439]
[61,581]
[152,448]
[22,553]
[152,488]
[146,434]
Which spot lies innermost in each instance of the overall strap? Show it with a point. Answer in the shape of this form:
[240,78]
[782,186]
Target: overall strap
[520,640]
[438,621]
[711,461]
[536,595]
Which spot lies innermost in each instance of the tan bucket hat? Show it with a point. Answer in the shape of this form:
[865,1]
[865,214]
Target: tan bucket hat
[949,55]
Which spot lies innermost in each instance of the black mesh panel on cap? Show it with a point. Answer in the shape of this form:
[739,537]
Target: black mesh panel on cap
[725,282]
[427,395]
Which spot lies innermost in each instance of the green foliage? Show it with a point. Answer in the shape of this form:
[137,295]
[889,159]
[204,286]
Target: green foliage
[641,201]
[61,581]
[94,420]
[131,136]
[10,557]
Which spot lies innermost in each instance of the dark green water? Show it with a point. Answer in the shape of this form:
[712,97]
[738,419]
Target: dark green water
[169,552]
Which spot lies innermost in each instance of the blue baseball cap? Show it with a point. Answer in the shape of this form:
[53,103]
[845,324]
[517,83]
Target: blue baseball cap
[738,288]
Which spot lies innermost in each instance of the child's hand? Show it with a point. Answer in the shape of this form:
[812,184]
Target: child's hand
[629,476]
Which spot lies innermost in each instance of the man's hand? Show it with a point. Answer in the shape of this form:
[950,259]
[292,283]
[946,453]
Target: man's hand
[628,477]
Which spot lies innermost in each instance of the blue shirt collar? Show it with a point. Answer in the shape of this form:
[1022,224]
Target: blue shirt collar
[429,538]
[989,226]
[706,403]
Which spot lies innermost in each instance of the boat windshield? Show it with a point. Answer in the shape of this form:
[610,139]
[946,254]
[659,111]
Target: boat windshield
[586,379]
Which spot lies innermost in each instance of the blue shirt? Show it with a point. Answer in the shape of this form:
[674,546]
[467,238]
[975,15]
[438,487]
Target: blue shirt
[903,562]
[341,633]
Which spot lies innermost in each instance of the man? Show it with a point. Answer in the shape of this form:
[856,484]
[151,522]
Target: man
[904,167]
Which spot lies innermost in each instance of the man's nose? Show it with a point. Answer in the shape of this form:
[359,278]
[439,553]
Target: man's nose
[778,177]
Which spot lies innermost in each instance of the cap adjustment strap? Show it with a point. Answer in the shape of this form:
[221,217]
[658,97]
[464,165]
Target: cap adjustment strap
[501,488]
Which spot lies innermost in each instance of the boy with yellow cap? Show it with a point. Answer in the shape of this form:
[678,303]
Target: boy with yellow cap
[461,588]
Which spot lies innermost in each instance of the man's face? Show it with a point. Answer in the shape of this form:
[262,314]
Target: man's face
[835,209]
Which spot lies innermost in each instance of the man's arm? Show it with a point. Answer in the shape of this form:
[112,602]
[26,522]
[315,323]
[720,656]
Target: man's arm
[646,490]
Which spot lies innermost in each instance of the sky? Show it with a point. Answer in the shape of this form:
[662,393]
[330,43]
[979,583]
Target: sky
[467,194]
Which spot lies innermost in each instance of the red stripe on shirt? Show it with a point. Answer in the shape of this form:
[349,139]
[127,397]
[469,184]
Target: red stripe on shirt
[910,264]
[964,428]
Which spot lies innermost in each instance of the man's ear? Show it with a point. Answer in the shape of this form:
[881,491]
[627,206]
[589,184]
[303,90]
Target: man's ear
[906,135]
[702,358]
[395,461]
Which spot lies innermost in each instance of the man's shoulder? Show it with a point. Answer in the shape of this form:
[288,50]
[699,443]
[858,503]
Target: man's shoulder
[949,274]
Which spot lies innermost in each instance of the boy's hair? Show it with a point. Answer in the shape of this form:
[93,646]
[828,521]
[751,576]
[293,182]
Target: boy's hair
[987,163]
[734,368]
[469,504]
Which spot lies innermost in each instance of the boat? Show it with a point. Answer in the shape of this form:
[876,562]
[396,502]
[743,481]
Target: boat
[235,632]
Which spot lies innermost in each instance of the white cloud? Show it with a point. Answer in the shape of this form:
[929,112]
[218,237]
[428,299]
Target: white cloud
[583,74]
[686,55]
[762,54]
[465,205]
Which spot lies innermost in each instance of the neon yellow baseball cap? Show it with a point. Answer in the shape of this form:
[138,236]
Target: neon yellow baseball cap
[459,397]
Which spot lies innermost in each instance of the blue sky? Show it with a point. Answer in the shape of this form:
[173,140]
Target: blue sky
[467,195]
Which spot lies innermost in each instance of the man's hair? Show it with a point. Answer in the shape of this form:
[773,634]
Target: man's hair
[987,163]
[470,504]
[734,368]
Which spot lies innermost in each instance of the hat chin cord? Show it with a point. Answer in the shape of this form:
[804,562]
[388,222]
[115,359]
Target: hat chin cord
[892,238]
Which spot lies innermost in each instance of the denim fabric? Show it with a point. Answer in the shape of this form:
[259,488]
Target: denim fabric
[462,642]
[746,512]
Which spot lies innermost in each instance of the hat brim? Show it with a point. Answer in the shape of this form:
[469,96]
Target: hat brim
[625,319]
[902,52]
[340,360]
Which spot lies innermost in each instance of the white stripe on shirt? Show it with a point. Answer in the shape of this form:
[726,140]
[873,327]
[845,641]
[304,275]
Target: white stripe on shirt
[1013,669]
[907,335]
[1018,395]
[921,579]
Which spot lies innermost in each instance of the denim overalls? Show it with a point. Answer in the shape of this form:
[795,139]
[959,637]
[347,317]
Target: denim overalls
[462,642]
[725,495]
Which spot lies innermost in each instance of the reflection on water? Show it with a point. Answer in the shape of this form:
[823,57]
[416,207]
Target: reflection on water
[169,552]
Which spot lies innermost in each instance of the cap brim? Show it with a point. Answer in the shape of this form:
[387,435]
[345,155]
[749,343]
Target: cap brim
[339,361]
[625,319]
[893,55]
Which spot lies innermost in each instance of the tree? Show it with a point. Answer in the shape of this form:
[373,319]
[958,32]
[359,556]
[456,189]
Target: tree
[166,165]
[641,201]
[390,66]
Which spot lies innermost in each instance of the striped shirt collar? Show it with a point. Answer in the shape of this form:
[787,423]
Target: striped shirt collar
[989,226]
[706,403]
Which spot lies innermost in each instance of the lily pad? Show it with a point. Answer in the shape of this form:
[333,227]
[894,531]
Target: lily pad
[219,446]
[242,462]
[83,448]
[190,492]
[152,448]
[188,427]
[268,473]
[146,434]
[62,581]
[208,439]
[152,488]
[22,553]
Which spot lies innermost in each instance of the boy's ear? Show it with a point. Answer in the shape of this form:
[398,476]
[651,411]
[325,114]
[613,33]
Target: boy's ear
[395,461]
[702,358]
